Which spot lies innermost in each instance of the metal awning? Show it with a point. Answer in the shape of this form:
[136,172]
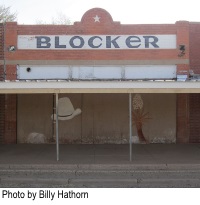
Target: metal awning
[30,87]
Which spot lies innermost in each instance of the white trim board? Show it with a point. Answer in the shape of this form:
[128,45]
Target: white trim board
[100,87]
[126,72]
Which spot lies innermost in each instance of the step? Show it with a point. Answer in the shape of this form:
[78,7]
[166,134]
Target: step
[99,183]
[100,166]
[99,175]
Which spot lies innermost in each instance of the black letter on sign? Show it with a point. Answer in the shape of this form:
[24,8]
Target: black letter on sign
[91,42]
[57,44]
[133,39]
[43,42]
[153,43]
[109,42]
[71,42]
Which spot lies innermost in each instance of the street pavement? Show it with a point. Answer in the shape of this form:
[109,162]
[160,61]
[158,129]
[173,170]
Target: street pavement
[152,165]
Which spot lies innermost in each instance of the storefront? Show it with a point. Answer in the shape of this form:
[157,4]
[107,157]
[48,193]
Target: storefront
[97,63]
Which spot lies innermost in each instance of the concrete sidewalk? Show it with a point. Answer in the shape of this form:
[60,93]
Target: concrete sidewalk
[149,155]
[153,165]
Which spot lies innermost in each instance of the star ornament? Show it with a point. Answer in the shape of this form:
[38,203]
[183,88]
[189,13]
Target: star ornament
[96,18]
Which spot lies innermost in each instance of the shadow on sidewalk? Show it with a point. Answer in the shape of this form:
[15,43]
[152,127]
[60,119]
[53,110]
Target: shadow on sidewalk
[100,154]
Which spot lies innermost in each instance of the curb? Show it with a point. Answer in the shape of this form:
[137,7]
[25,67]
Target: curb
[100,166]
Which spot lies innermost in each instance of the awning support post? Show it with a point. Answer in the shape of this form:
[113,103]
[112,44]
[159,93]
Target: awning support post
[130,126]
[57,137]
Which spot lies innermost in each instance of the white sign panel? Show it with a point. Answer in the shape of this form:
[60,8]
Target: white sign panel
[97,72]
[69,42]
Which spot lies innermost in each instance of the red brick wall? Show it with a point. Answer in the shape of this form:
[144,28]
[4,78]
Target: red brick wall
[194,109]
[11,72]
[88,27]
[2,118]
[195,47]
[105,27]
[182,69]
[2,97]
[1,51]
[8,103]
[182,118]
[194,99]
[10,119]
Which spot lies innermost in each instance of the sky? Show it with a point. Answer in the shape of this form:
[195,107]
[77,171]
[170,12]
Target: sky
[125,11]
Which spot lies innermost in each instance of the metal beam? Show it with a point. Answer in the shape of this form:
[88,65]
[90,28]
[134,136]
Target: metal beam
[130,126]
[57,137]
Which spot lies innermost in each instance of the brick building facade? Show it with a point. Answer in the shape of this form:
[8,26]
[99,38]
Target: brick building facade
[104,117]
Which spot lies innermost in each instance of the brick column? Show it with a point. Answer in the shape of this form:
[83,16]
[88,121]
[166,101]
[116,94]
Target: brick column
[2,118]
[182,135]
[11,72]
[183,69]
[10,133]
[183,39]
[2,97]
[10,119]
